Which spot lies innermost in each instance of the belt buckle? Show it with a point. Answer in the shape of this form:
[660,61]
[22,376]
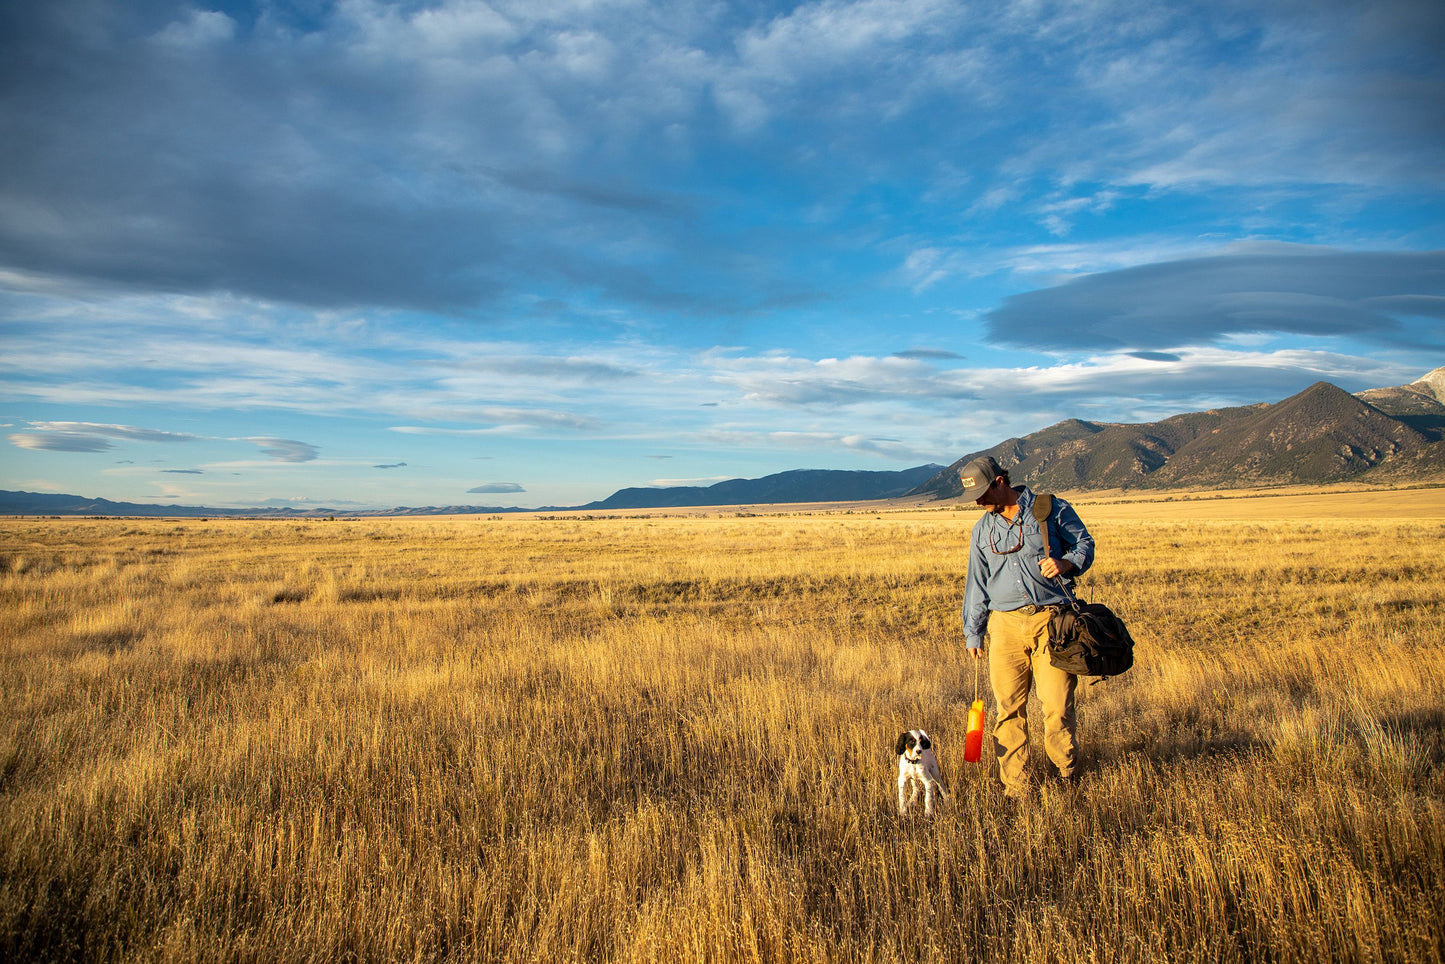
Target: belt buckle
[1031,610]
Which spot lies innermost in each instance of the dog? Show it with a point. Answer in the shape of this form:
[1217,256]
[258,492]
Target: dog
[918,766]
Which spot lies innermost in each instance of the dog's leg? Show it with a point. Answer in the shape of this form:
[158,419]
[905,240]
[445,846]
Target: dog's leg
[928,798]
[902,803]
[935,778]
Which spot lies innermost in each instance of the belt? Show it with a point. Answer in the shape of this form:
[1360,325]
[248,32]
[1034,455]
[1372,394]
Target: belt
[1033,610]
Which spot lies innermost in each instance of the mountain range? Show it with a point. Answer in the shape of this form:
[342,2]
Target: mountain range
[797,486]
[1319,436]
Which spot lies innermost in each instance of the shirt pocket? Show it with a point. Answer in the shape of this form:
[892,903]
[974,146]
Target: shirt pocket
[1034,540]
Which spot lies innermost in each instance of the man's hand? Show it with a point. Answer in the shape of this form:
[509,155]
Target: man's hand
[1053,568]
[976,653]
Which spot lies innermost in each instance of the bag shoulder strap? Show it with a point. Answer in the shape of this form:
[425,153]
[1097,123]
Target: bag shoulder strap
[1043,505]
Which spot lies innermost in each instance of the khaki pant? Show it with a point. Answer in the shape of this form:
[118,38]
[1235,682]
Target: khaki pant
[1018,656]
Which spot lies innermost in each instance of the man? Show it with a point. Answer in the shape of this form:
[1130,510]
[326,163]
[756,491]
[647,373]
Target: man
[1012,587]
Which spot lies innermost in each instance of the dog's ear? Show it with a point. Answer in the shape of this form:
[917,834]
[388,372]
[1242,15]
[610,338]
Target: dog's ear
[924,743]
[903,740]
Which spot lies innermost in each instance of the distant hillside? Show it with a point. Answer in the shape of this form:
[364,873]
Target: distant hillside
[1322,435]
[799,485]
[48,503]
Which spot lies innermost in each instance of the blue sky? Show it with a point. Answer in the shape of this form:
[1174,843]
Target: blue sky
[523,252]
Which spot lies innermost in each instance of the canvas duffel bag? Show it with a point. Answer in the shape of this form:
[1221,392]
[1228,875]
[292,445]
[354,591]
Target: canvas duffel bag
[1085,639]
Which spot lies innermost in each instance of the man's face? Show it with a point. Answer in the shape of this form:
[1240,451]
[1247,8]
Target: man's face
[992,498]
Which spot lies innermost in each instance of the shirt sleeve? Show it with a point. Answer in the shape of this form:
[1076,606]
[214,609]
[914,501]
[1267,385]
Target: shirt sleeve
[975,593]
[1078,545]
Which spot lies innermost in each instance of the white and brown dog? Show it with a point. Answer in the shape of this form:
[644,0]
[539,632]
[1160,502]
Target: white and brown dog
[917,766]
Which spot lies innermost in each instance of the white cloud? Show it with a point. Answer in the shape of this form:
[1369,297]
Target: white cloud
[129,432]
[838,35]
[778,62]
[793,381]
[197,29]
[1062,260]
[496,488]
[926,266]
[286,450]
[819,441]
[88,436]
[890,448]
[1288,289]
[505,421]
[59,442]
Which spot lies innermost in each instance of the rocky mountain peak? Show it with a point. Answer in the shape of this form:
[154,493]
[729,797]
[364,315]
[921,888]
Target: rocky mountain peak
[1433,384]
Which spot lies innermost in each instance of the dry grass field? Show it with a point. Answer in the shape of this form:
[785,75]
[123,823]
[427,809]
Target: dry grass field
[670,739]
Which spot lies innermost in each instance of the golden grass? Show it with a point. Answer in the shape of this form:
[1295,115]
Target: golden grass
[670,739]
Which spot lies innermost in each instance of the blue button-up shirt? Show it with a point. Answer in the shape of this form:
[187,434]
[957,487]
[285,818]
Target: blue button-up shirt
[1012,581]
